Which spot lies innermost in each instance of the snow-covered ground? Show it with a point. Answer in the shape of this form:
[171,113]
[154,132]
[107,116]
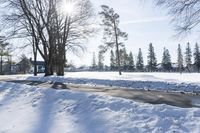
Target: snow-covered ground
[26,109]
[188,82]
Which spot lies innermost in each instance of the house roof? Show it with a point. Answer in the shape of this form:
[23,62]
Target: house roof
[38,62]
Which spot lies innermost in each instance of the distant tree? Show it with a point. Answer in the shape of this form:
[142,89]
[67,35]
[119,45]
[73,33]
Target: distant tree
[113,36]
[166,60]
[188,56]
[100,60]
[131,65]
[140,62]
[94,65]
[152,61]
[24,64]
[180,59]
[112,61]
[121,56]
[3,51]
[124,59]
[197,56]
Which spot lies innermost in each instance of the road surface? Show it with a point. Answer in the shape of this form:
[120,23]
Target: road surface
[146,96]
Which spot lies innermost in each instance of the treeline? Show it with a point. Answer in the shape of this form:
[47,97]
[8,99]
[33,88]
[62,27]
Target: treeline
[184,61]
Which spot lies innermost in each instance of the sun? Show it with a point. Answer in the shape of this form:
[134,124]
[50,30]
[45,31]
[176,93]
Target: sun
[67,7]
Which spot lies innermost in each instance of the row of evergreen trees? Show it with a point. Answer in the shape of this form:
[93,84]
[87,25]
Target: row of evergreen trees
[128,64]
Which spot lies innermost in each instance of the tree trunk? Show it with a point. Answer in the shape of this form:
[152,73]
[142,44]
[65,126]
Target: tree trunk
[1,65]
[61,63]
[60,70]
[118,61]
[48,68]
[188,69]
[35,63]
[117,48]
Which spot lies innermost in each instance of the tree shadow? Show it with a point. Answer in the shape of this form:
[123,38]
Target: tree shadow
[27,82]
[88,119]
[11,92]
[45,109]
[58,101]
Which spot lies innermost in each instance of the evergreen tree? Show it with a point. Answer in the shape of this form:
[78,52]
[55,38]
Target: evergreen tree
[180,59]
[188,56]
[24,64]
[113,36]
[166,60]
[112,61]
[94,65]
[100,61]
[124,59]
[140,62]
[131,66]
[197,57]
[152,61]
[121,56]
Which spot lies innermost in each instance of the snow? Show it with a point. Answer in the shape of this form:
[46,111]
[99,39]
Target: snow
[27,109]
[186,82]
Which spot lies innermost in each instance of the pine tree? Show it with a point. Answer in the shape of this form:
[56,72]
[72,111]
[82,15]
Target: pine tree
[180,59]
[140,63]
[24,64]
[113,36]
[94,65]
[166,60]
[112,61]
[131,66]
[121,56]
[124,59]
[152,61]
[100,61]
[188,56]
[197,57]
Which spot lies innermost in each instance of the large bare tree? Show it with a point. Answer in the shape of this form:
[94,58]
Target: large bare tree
[52,29]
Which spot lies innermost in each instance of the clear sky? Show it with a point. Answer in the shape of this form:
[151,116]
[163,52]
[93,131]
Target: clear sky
[144,23]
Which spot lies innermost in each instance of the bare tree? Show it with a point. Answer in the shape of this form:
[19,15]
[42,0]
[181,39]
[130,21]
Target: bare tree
[53,31]
[185,13]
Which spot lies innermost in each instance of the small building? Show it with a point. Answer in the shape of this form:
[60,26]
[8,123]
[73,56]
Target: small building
[40,66]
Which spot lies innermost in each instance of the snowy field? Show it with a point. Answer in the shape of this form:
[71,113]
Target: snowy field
[186,82]
[26,109]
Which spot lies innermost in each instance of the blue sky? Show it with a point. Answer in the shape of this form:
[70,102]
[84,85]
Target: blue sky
[144,23]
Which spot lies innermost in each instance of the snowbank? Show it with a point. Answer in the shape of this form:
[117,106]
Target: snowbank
[26,109]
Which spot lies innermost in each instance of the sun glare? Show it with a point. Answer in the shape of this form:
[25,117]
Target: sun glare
[68,7]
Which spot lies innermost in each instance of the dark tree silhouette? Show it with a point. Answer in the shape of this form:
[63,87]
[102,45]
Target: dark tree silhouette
[180,59]
[166,60]
[152,61]
[188,56]
[197,56]
[140,62]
